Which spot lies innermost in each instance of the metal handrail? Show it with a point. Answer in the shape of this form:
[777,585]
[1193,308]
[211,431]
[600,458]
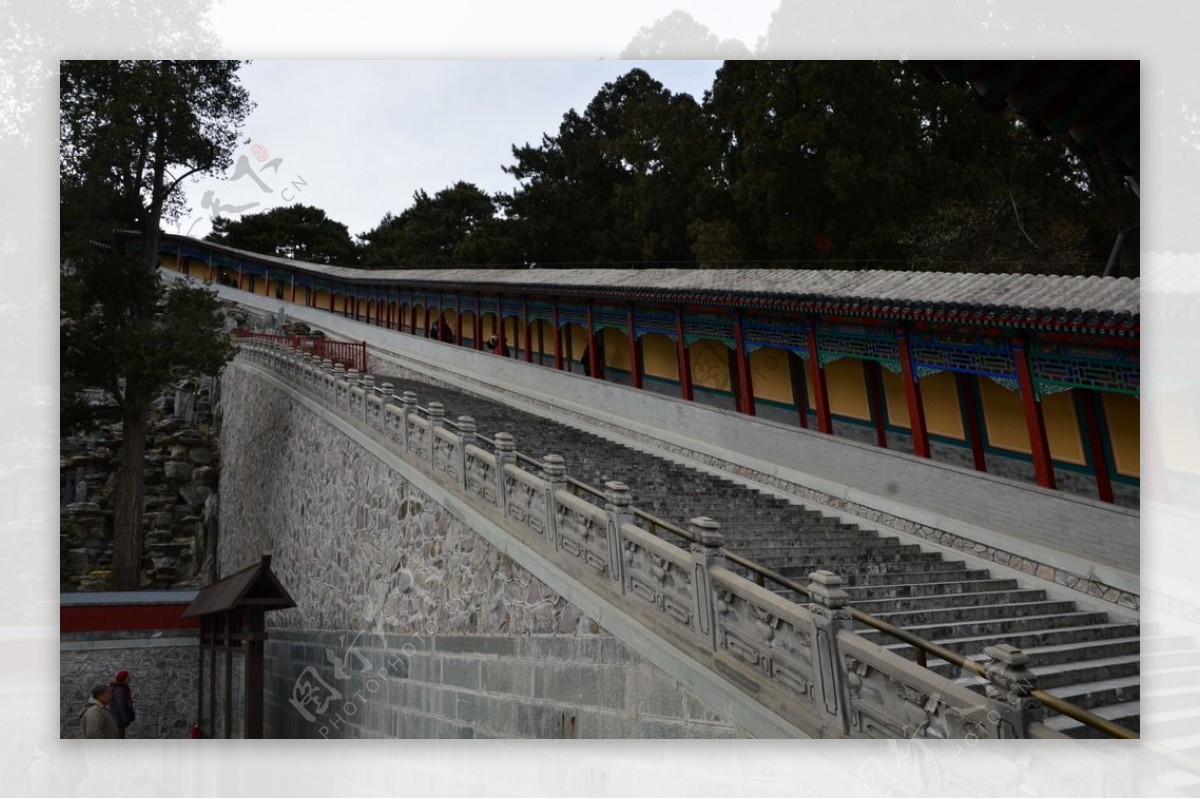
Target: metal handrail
[921,646]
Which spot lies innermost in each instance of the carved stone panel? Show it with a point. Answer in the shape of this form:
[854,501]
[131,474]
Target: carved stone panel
[583,530]
[481,474]
[659,575]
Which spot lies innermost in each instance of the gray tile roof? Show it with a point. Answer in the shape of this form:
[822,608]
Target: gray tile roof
[1022,295]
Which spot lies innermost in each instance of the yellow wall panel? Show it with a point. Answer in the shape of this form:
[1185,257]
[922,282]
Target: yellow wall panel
[1062,428]
[943,413]
[847,389]
[710,364]
[895,399]
[322,299]
[660,357]
[1123,414]
[1003,418]
[769,371]
[616,348]
[578,341]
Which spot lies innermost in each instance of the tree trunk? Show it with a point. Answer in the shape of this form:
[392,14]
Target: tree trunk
[129,502]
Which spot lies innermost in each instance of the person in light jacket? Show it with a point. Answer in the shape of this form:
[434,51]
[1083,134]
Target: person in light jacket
[95,720]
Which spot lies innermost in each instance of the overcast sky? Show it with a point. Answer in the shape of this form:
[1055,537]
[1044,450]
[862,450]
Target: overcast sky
[357,138]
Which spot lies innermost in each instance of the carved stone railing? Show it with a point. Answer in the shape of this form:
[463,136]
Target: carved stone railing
[800,661]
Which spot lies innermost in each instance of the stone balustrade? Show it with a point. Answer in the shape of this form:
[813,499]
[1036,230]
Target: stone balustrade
[800,661]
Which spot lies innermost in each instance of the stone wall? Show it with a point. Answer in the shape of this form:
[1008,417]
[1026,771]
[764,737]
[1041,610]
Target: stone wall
[373,563]
[182,465]
[163,668]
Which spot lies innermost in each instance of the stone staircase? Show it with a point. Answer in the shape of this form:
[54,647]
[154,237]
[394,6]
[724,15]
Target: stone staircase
[1080,656]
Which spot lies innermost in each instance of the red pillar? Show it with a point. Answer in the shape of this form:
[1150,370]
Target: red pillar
[525,327]
[684,358]
[210,267]
[293,286]
[558,341]
[872,374]
[477,337]
[968,396]
[1092,412]
[912,392]
[821,400]
[458,319]
[595,369]
[441,316]
[500,335]
[1039,446]
[744,377]
[635,361]
[799,390]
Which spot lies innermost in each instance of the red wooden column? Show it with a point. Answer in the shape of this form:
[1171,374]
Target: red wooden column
[1039,445]
[528,333]
[293,276]
[477,338]
[458,319]
[239,285]
[684,358]
[912,392]
[1092,412]
[441,315]
[558,340]
[635,360]
[799,389]
[873,375]
[745,379]
[968,397]
[595,368]
[821,392]
[500,336]
[210,266]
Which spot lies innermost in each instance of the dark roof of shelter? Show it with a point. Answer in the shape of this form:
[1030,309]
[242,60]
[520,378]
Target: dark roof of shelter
[1094,105]
[254,586]
[1016,299]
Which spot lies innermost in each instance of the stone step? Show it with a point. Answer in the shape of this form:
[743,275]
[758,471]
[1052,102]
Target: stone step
[1002,626]
[854,571]
[878,606]
[1079,638]
[1126,714]
[931,576]
[905,590]
[910,619]
[1046,658]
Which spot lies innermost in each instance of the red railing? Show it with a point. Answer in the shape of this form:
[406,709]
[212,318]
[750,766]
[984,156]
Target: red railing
[350,354]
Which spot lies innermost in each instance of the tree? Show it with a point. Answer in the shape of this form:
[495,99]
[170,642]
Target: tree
[130,132]
[457,225]
[620,182]
[290,231]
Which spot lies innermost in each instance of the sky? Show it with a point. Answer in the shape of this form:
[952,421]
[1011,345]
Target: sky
[358,138]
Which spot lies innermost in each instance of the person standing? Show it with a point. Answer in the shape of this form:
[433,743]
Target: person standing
[121,704]
[95,720]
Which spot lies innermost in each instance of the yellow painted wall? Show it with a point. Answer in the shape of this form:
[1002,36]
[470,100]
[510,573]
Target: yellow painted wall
[419,316]
[1062,428]
[514,336]
[939,395]
[169,262]
[578,340]
[1122,412]
[710,364]
[322,300]
[260,287]
[616,348]
[488,326]
[280,286]
[659,358]
[339,303]
[772,379]
[468,325]
[1002,417]
[543,337]
[847,389]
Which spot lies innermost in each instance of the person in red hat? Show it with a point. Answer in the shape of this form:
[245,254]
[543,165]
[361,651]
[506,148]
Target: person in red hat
[121,703]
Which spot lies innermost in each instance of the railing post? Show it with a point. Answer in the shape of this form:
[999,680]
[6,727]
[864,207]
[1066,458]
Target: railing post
[368,388]
[408,404]
[339,376]
[554,472]
[437,420]
[619,507]
[466,431]
[830,617]
[351,382]
[387,393]
[706,550]
[328,384]
[1010,707]
[506,453]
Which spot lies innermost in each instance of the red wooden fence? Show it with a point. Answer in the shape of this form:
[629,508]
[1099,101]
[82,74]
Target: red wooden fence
[350,354]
